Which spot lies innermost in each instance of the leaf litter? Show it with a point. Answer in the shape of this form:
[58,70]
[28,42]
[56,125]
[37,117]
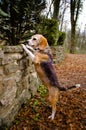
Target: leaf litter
[71,108]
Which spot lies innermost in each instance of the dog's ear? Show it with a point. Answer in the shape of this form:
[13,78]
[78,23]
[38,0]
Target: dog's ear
[43,43]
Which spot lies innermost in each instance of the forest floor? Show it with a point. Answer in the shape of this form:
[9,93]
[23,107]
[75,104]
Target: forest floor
[71,108]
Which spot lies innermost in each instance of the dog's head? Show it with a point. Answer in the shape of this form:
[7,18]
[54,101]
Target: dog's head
[38,42]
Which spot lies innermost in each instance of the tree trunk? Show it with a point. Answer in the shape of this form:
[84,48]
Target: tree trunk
[56,9]
[73,26]
[72,42]
[75,7]
[12,23]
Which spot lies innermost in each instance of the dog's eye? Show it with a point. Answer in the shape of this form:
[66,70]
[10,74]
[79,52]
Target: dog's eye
[34,39]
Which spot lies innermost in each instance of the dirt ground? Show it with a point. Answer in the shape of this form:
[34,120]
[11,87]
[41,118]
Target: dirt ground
[71,108]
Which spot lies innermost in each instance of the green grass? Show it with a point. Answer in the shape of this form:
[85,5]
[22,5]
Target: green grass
[42,91]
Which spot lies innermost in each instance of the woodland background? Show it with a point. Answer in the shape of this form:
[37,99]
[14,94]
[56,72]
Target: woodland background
[20,19]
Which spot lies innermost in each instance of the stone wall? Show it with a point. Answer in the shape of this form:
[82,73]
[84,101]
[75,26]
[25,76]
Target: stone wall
[18,80]
[58,54]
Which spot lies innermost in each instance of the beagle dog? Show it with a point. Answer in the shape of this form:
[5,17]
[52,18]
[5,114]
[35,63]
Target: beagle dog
[39,51]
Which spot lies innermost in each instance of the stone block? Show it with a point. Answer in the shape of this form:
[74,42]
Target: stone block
[9,58]
[1,87]
[1,71]
[0,61]
[25,82]
[11,68]
[1,56]
[24,96]
[1,53]
[23,85]
[12,49]
[18,76]
[10,91]
[23,64]
[34,83]
[7,114]
[31,68]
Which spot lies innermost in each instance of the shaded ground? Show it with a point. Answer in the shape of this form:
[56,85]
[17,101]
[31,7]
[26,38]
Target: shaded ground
[71,108]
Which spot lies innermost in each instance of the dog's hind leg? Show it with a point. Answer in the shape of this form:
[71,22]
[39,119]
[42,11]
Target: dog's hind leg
[53,112]
[53,99]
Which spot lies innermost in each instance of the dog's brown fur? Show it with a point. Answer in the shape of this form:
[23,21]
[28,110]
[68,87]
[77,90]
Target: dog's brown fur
[42,57]
[53,91]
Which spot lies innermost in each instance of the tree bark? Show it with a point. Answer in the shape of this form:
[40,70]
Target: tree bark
[74,8]
[72,44]
[12,24]
[56,9]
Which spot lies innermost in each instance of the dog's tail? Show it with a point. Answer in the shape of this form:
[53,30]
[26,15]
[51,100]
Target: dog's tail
[61,88]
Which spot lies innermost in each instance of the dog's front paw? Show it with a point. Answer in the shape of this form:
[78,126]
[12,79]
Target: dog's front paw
[25,48]
[23,45]
[30,48]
